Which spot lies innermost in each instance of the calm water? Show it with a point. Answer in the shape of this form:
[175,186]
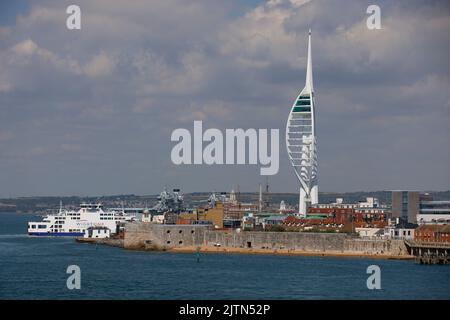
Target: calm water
[35,268]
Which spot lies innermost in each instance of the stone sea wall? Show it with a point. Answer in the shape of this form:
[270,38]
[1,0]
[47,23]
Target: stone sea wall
[278,240]
[149,236]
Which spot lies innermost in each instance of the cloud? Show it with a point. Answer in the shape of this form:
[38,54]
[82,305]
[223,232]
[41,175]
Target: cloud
[6,136]
[99,65]
[117,88]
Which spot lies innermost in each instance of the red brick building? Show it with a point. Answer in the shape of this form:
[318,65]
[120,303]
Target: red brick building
[433,233]
[360,217]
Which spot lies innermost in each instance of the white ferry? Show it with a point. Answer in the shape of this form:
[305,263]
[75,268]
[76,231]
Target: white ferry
[74,223]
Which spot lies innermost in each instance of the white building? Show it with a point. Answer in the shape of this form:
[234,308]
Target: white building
[370,202]
[97,232]
[147,216]
[400,233]
[434,212]
[282,206]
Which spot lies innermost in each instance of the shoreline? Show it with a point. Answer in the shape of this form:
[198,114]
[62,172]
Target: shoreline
[286,252]
[249,251]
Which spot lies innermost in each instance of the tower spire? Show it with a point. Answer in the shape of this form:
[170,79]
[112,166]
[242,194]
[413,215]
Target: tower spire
[301,140]
[309,77]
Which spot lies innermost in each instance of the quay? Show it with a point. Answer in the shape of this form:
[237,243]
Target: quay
[429,252]
[113,242]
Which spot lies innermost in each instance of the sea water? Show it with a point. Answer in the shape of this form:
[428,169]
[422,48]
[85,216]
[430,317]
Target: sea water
[35,268]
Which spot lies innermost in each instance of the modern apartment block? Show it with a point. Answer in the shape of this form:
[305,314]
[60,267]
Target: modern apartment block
[405,205]
[433,211]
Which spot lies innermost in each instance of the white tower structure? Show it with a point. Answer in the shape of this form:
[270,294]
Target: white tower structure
[301,140]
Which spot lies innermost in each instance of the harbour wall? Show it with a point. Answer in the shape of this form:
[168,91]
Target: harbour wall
[149,236]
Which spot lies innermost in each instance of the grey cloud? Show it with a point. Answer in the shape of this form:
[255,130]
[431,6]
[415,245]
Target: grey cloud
[100,103]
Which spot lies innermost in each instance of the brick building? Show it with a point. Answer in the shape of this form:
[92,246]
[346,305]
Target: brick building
[433,233]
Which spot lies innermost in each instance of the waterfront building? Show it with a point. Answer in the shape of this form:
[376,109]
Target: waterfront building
[202,215]
[405,205]
[97,232]
[248,222]
[146,216]
[414,207]
[370,202]
[433,211]
[368,213]
[282,206]
[235,211]
[273,220]
[405,232]
[152,216]
[301,140]
[433,233]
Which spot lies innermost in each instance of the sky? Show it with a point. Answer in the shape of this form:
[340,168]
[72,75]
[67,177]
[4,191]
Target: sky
[91,111]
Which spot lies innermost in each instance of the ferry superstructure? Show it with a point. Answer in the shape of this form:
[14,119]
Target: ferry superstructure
[74,223]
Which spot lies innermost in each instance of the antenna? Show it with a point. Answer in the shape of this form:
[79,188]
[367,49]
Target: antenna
[260,198]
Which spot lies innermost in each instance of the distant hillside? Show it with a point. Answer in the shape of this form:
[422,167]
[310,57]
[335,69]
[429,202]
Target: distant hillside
[40,204]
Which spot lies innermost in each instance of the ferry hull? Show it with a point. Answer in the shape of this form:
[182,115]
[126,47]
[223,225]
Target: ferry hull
[56,234]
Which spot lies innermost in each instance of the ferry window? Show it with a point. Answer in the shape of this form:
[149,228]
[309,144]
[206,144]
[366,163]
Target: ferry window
[33,226]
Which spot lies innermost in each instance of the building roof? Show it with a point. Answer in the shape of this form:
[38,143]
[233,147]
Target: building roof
[434,228]
[316,216]
[277,218]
